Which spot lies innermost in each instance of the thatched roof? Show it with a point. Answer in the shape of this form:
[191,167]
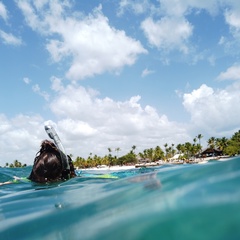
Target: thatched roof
[210,152]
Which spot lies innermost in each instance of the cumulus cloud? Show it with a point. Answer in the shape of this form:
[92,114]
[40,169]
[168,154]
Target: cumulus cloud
[163,18]
[20,138]
[233,19]
[214,110]
[87,124]
[168,33]
[231,12]
[232,73]
[89,45]
[10,39]
[92,124]
[167,27]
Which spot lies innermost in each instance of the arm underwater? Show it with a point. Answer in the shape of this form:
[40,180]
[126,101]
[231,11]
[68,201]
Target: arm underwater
[85,175]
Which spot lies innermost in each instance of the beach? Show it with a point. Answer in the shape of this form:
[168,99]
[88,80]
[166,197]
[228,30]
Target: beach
[111,168]
[155,164]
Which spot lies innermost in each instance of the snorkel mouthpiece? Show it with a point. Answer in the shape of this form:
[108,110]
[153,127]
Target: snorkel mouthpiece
[53,135]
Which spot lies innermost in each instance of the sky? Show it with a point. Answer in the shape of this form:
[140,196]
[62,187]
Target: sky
[117,74]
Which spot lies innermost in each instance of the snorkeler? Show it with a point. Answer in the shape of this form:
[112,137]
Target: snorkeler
[50,165]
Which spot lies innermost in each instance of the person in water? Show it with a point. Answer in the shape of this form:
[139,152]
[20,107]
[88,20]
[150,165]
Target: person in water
[50,165]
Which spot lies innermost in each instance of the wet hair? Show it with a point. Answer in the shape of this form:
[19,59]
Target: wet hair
[48,165]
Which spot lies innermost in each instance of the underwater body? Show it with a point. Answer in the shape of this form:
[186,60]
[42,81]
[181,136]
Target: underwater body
[187,201]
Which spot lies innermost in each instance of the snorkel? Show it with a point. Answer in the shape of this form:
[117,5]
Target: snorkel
[53,135]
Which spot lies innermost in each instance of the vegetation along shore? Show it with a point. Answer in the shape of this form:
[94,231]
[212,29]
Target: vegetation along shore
[181,153]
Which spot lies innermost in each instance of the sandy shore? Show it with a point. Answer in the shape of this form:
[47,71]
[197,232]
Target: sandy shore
[159,163]
[113,168]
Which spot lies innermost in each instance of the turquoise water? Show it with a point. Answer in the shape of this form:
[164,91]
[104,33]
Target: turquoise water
[195,201]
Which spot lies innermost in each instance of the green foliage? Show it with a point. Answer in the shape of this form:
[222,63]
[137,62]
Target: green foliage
[233,145]
[15,164]
[231,150]
[129,158]
[187,151]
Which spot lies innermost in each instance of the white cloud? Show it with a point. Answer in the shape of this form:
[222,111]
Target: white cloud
[232,73]
[87,124]
[168,33]
[10,39]
[76,128]
[27,80]
[214,110]
[138,7]
[37,90]
[174,8]
[20,138]
[180,8]
[222,40]
[233,19]
[3,11]
[56,84]
[231,41]
[92,124]
[146,72]
[88,43]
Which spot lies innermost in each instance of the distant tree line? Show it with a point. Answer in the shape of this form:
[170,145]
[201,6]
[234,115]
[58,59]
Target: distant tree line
[186,151]
[15,164]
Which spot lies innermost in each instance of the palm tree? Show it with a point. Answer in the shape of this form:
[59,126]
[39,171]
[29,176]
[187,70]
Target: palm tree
[144,153]
[158,153]
[199,136]
[17,163]
[166,150]
[188,148]
[221,143]
[173,151]
[133,147]
[211,142]
[117,150]
[180,148]
[150,153]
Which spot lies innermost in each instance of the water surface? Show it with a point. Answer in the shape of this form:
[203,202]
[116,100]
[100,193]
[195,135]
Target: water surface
[190,201]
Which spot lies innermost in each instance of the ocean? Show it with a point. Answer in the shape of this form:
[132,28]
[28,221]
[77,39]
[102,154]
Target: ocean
[188,201]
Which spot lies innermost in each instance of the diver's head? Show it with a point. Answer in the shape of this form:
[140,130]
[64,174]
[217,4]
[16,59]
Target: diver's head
[48,164]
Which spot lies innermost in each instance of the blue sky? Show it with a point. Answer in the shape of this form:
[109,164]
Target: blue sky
[111,74]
